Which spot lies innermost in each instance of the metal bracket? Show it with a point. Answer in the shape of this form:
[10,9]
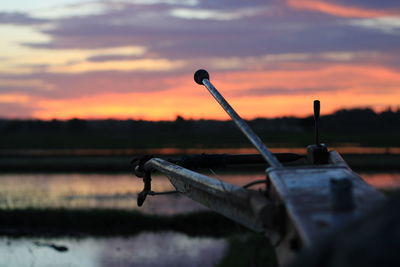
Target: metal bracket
[141,172]
[146,190]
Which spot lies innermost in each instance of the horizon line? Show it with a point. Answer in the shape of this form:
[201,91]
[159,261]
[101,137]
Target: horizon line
[188,118]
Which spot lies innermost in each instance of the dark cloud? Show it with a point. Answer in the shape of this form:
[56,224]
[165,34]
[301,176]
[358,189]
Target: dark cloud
[234,4]
[104,58]
[17,18]
[284,91]
[273,28]
[153,27]
[18,89]
[373,4]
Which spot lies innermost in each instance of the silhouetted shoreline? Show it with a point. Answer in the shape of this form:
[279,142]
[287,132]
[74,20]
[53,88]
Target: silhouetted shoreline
[122,163]
[110,222]
[357,127]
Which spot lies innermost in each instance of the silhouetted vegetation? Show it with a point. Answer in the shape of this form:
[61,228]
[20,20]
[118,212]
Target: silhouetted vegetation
[110,222]
[357,126]
[356,120]
[249,250]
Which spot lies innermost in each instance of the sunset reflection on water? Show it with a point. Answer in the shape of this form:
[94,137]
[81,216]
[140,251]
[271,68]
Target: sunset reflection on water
[144,249]
[345,149]
[120,190]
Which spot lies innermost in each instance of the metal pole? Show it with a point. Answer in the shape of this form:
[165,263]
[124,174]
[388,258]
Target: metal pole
[202,77]
[247,207]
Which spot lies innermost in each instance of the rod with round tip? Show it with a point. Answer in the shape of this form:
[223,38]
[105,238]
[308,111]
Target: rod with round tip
[317,108]
[203,78]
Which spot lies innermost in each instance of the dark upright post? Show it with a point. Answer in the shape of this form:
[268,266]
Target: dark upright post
[317,109]
[317,153]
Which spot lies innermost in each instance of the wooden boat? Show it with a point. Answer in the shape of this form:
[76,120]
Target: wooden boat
[300,204]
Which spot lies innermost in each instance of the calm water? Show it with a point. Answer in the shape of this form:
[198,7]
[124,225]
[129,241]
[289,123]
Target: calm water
[144,249]
[349,148]
[116,191]
[119,190]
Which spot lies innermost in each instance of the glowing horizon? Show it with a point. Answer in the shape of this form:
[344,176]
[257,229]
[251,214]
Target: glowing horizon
[135,59]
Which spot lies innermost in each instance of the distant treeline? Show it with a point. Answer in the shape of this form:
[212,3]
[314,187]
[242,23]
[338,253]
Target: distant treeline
[356,126]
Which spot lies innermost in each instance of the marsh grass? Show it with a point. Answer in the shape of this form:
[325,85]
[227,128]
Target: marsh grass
[249,249]
[109,222]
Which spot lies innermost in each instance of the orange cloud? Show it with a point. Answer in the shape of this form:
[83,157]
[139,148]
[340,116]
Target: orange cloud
[339,10]
[185,99]
[251,93]
[14,98]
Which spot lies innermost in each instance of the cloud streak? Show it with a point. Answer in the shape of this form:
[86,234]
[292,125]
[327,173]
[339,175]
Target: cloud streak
[346,10]
[166,33]
[19,18]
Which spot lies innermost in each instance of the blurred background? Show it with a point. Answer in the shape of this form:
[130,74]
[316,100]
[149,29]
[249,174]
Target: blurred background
[86,86]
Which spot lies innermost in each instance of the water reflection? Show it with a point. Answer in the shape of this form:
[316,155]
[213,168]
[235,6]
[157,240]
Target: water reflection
[145,249]
[345,148]
[119,191]
[382,180]
[87,191]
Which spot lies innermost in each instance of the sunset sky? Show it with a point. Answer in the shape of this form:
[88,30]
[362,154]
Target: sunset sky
[136,58]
